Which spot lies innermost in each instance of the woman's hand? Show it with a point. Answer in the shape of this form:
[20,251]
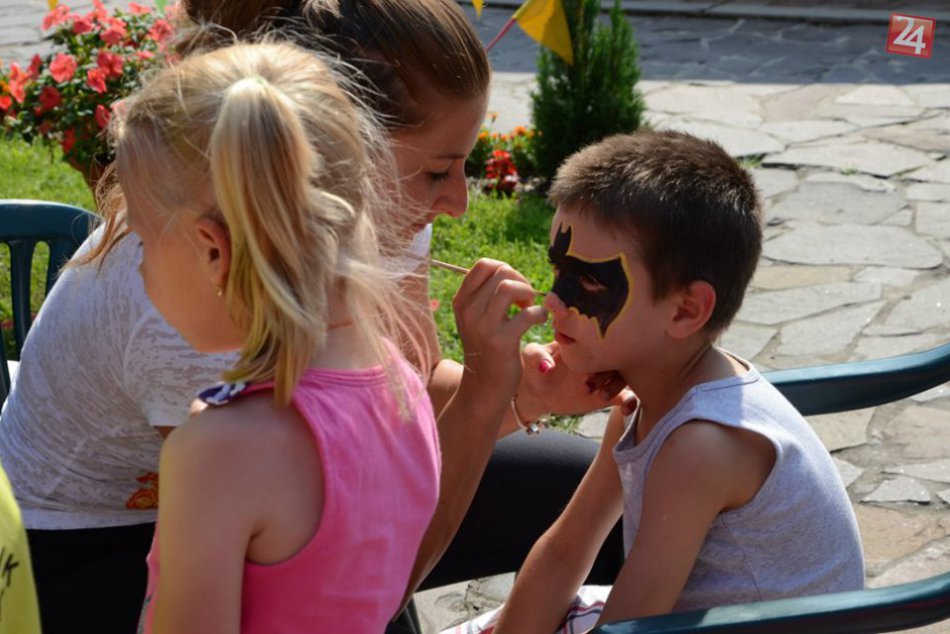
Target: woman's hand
[490,334]
[548,386]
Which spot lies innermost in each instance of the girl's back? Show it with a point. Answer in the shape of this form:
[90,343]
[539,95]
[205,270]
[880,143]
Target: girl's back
[378,488]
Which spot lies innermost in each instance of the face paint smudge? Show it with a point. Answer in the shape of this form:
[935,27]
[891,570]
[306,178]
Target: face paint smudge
[598,290]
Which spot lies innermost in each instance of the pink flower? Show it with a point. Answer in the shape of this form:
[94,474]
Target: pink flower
[161,30]
[82,24]
[144,55]
[110,63]
[49,98]
[35,67]
[55,17]
[102,116]
[96,78]
[18,81]
[63,67]
[115,31]
[138,9]
[69,140]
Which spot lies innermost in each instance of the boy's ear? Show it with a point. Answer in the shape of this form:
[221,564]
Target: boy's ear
[692,309]
[214,242]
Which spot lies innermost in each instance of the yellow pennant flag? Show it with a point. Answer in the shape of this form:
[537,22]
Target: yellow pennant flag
[545,22]
[478,6]
[52,4]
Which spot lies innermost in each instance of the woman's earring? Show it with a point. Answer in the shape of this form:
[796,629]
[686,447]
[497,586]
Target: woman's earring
[218,290]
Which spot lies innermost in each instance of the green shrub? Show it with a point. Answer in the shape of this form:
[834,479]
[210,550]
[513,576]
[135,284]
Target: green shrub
[574,106]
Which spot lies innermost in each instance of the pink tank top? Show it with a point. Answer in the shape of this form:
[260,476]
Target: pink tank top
[381,473]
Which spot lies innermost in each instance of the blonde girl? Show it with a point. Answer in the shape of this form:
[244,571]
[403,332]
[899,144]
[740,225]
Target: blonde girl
[297,500]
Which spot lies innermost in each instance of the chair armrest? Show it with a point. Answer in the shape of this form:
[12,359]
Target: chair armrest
[859,384]
[887,609]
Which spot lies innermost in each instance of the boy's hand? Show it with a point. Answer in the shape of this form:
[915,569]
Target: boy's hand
[549,386]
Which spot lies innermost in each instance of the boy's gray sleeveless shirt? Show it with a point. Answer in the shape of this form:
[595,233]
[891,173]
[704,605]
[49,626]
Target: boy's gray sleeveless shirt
[797,536]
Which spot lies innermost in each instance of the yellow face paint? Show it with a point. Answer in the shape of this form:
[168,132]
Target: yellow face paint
[600,290]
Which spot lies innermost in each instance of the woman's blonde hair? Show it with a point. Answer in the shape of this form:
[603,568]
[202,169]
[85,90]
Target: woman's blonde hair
[294,167]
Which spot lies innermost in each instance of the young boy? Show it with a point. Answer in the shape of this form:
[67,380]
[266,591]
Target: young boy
[727,495]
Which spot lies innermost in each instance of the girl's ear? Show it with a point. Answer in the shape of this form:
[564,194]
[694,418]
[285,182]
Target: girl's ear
[214,242]
[693,307]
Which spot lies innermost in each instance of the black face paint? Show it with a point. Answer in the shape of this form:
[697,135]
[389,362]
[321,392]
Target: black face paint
[596,290]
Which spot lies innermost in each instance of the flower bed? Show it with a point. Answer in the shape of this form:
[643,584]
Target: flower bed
[66,98]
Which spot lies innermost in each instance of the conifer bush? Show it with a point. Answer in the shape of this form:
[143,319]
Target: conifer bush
[574,106]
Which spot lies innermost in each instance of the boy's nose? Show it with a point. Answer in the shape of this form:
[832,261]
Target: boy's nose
[553,303]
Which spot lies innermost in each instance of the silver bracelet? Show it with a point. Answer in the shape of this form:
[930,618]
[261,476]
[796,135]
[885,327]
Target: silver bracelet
[531,428]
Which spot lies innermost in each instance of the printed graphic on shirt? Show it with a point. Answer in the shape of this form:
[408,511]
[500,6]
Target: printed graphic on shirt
[146,496]
[597,289]
[8,564]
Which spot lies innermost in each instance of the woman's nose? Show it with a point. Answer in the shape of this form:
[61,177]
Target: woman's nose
[453,200]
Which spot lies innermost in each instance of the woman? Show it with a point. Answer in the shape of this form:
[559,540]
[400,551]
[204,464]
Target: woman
[101,370]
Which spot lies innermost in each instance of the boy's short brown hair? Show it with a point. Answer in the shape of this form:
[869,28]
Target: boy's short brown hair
[694,210]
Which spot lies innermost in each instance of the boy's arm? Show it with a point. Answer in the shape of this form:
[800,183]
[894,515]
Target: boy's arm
[702,470]
[563,556]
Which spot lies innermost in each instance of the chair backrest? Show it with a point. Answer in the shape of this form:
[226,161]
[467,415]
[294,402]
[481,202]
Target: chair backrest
[23,224]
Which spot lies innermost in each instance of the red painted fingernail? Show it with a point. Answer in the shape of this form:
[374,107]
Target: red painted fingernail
[545,366]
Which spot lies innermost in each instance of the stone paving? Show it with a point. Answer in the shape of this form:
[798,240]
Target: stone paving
[850,147]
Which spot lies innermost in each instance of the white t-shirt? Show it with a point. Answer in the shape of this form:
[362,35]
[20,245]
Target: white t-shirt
[100,369]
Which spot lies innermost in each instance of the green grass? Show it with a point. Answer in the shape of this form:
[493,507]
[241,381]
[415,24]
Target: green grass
[513,230]
[33,172]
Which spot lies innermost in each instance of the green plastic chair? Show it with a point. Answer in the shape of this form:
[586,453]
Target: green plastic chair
[824,390]
[24,223]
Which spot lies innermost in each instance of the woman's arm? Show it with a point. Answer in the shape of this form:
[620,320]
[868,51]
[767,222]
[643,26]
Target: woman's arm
[470,421]
[563,556]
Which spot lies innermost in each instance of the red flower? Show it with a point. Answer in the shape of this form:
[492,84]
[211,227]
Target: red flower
[35,67]
[144,55]
[96,78]
[56,17]
[110,63]
[102,116]
[5,102]
[161,30]
[82,24]
[63,67]
[69,140]
[45,127]
[99,11]
[49,99]
[115,31]
[138,9]
[18,81]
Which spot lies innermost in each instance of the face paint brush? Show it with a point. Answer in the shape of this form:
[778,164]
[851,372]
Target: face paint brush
[463,271]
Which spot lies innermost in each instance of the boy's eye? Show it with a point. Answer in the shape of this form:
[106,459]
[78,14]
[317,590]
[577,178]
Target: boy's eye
[438,176]
[591,285]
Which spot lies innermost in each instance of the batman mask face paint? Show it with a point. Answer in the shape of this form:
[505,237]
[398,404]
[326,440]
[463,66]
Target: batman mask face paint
[597,289]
